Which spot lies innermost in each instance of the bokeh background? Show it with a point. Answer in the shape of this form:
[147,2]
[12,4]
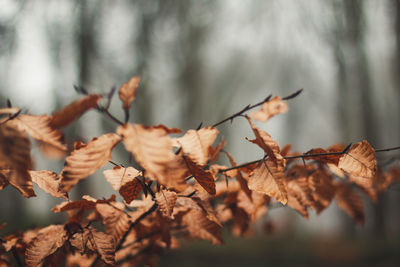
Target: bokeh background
[200,61]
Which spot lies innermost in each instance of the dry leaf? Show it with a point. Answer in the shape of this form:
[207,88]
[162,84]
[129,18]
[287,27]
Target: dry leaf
[268,178]
[71,112]
[86,203]
[197,143]
[48,181]
[124,181]
[322,188]
[40,129]
[166,202]
[127,92]
[203,177]
[351,202]
[86,159]
[115,219]
[269,109]
[359,160]
[152,148]
[91,240]
[47,241]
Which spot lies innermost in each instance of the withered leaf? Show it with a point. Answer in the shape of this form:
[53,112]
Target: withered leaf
[322,188]
[203,177]
[86,203]
[152,148]
[196,143]
[48,181]
[332,158]
[269,178]
[127,92]
[86,159]
[359,160]
[71,112]
[115,219]
[239,177]
[47,241]
[269,109]
[166,202]
[124,181]
[91,240]
[351,202]
[40,129]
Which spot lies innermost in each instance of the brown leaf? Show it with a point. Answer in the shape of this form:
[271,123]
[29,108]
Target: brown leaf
[115,219]
[10,112]
[351,202]
[268,178]
[359,160]
[71,112]
[48,181]
[40,129]
[47,241]
[86,159]
[166,202]
[124,181]
[203,177]
[15,158]
[213,152]
[86,203]
[4,178]
[243,182]
[91,240]
[152,148]
[269,109]
[264,140]
[196,143]
[322,188]
[127,92]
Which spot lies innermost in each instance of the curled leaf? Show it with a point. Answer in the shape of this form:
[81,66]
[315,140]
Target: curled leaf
[124,181]
[86,159]
[269,109]
[351,202]
[48,181]
[203,177]
[359,160]
[115,219]
[86,203]
[166,202]
[127,92]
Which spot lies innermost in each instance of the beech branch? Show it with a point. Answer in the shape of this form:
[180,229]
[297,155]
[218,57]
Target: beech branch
[249,107]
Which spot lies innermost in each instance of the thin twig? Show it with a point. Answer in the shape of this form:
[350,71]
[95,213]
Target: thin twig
[387,149]
[105,111]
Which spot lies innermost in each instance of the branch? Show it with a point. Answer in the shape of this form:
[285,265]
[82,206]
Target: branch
[249,107]
[304,156]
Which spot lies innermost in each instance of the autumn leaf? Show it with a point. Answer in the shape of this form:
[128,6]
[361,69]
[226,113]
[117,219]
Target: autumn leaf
[91,240]
[124,181]
[152,148]
[329,158]
[48,181]
[71,112]
[203,177]
[127,92]
[165,200]
[351,202]
[359,161]
[15,159]
[114,218]
[269,178]
[239,177]
[11,112]
[86,159]
[39,127]
[269,109]
[86,203]
[323,190]
[197,143]
[47,241]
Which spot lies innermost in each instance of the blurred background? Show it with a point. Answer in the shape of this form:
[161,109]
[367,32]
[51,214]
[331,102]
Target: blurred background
[200,61]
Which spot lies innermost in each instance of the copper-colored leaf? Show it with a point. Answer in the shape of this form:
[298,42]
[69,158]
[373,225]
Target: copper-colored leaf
[203,177]
[213,152]
[196,143]
[124,181]
[351,202]
[152,148]
[86,203]
[166,202]
[127,92]
[48,181]
[264,140]
[71,112]
[239,177]
[86,159]
[91,240]
[40,129]
[268,178]
[269,109]
[15,158]
[48,240]
[322,188]
[359,160]
[114,218]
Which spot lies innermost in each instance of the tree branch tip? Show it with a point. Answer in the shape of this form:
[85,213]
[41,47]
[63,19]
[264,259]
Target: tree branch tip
[295,94]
